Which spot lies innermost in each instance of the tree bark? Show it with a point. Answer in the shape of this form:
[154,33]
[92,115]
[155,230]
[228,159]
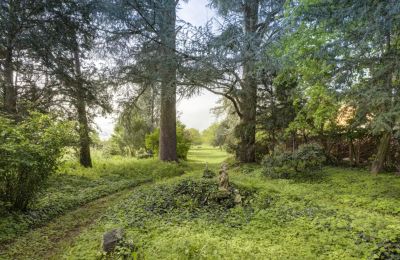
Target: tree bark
[10,93]
[246,130]
[84,138]
[381,154]
[168,83]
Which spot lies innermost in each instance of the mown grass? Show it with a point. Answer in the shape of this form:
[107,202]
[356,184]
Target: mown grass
[345,214]
[74,186]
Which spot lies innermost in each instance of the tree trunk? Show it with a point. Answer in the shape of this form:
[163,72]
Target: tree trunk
[351,152]
[168,83]
[384,143]
[246,130]
[10,92]
[84,138]
[381,154]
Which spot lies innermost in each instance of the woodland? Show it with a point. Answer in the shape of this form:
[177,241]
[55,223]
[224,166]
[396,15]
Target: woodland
[303,161]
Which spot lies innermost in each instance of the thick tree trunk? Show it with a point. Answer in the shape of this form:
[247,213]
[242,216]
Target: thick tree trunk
[10,92]
[246,130]
[168,83]
[84,138]
[381,154]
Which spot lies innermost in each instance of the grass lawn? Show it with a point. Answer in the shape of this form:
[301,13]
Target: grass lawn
[345,214]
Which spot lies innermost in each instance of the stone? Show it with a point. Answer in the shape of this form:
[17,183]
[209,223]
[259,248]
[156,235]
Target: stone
[111,239]
[223,178]
[238,198]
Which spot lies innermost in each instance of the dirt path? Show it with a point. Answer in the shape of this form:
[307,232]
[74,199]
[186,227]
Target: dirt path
[50,240]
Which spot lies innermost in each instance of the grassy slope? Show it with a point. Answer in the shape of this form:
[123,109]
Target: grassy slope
[343,216]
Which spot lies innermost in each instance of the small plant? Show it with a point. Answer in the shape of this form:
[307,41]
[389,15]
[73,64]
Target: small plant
[308,159]
[207,173]
[30,151]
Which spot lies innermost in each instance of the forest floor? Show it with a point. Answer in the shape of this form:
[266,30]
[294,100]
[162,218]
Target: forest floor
[342,214]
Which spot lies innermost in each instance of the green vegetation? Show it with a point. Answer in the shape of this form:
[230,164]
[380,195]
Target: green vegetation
[74,186]
[344,215]
[309,103]
[307,160]
[183,141]
[30,151]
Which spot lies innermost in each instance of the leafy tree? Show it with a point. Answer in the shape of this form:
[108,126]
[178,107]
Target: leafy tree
[276,109]
[230,70]
[69,41]
[195,136]
[18,24]
[152,24]
[30,151]
[362,45]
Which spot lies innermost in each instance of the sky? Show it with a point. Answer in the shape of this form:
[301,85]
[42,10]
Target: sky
[194,112]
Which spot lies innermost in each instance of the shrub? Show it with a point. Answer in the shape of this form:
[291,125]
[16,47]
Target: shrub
[183,141]
[278,165]
[308,159]
[29,152]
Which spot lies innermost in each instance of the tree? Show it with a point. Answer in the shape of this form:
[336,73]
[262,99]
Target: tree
[152,26]
[138,119]
[195,136]
[250,27]
[68,41]
[168,71]
[184,141]
[18,24]
[364,59]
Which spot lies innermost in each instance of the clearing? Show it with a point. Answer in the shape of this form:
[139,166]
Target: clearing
[345,214]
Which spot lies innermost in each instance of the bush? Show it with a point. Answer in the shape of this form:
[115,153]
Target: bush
[29,152]
[183,141]
[308,159]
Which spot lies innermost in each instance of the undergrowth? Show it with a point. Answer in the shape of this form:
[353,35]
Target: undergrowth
[279,219]
[75,186]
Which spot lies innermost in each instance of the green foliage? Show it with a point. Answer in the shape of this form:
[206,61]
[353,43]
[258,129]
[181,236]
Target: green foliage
[329,219]
[183,141]
[307,160]
[221,134]
[281,219]
[208,134]
[75,186]
[30,151]
[195,136]
[387,250]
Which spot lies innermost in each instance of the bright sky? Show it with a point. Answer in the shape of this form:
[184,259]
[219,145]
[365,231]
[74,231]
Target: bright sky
[193,112]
